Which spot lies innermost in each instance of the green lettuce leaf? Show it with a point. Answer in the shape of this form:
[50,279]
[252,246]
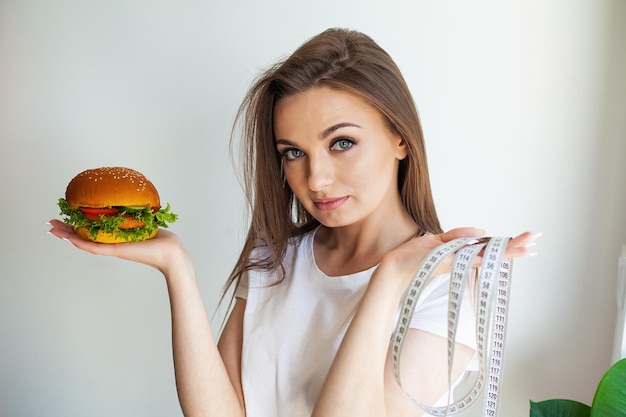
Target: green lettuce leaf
[110,224]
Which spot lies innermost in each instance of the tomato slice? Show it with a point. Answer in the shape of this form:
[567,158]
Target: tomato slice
[95,213]
[98,211]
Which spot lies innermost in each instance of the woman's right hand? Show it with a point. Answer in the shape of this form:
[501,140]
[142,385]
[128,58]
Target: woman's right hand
[161,252]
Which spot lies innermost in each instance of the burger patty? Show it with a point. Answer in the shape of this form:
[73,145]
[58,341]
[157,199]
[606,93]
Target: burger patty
[131,223]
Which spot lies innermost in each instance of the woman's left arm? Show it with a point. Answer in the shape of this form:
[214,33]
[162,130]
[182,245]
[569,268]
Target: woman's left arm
[359,382]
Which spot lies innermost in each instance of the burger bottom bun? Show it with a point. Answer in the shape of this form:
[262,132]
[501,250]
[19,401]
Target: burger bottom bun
[104,237]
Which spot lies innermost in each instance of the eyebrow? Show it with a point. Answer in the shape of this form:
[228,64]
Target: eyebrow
[338,126]
[327,132]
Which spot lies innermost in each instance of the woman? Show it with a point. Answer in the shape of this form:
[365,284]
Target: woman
[342,215]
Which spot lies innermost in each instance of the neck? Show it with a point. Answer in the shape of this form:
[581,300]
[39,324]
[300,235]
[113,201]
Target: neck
[357,247]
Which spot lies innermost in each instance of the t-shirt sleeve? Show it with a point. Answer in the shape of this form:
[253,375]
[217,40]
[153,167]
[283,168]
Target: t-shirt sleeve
[431,311]
[242,287]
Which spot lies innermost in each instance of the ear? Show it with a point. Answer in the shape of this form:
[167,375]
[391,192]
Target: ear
[402,149]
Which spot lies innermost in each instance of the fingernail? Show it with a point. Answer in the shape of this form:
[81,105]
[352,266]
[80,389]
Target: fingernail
[535,237]
[47,223]
[482,232]
[62,238]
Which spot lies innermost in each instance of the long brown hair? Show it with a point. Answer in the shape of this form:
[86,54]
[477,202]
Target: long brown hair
[337,58]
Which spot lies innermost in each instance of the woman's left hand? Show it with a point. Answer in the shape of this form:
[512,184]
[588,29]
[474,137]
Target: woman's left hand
[404,260]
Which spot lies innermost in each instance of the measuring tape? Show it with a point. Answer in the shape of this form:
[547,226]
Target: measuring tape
[491,316]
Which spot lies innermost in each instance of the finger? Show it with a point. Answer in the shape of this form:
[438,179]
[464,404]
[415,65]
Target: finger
[521,239]
[60,229]
[522,245]
[461,232]
[59,224]
[66,232]
[517,247]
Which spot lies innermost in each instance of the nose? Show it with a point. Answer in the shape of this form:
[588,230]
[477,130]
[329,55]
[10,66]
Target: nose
[321,172]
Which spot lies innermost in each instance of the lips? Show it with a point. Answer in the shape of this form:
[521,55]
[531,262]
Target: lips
[326,204]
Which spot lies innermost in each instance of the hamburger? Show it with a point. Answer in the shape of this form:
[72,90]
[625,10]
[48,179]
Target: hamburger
[113,205]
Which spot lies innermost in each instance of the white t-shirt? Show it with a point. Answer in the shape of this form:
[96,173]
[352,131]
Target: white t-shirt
[293,327]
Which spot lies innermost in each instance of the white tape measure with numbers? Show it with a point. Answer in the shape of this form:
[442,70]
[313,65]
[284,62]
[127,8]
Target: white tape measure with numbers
[491,316]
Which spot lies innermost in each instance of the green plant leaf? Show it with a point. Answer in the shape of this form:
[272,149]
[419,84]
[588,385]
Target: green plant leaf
[610,396]
[559,408]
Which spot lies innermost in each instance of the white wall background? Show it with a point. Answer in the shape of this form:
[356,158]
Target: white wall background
[533,91]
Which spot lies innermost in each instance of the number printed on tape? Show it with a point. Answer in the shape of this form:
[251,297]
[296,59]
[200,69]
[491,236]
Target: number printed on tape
[491,316]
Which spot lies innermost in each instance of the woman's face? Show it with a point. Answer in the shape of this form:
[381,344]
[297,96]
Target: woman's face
[339,157]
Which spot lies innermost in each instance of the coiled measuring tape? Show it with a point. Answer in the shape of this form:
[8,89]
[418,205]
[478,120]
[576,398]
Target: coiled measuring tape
[491,316]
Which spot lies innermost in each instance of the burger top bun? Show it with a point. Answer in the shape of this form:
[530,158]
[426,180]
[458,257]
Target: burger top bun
[111,186]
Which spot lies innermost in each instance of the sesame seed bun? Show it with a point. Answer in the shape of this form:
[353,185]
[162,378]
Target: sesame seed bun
[109,187]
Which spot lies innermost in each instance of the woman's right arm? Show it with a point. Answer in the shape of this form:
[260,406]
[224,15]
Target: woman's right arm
[207,382]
